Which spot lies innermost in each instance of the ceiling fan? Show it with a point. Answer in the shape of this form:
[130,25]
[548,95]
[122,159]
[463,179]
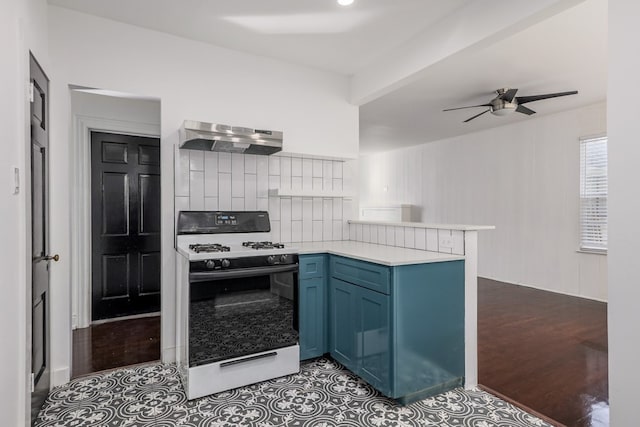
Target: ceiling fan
[507,102]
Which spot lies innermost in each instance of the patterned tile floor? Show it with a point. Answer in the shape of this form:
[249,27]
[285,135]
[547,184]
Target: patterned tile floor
[323,394]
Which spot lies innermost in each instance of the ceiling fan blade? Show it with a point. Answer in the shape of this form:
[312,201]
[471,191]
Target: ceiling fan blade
[509,95]
[524,110]
[525,99]
[470,106]
[477,115]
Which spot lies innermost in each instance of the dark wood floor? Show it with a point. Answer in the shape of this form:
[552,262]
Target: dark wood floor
[115,344]
[544,350]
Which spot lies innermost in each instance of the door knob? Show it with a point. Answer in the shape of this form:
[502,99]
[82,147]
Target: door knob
[55,258]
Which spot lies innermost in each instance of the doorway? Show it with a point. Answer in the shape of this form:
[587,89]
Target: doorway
[117,231]
[40,258]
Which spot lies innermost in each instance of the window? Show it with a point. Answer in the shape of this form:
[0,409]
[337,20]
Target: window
[593,194]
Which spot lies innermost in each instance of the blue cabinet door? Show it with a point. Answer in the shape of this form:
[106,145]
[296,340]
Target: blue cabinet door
[312,318]
[374,346]
[342,333]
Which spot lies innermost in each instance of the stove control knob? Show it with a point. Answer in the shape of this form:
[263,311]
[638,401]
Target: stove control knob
[226,263]
[284,259]
[210,264]
[271,259]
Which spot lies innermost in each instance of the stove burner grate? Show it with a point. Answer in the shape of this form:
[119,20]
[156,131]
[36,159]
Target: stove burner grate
[263,245]
[209,247]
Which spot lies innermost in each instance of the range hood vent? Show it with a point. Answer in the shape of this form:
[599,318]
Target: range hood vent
[231,139]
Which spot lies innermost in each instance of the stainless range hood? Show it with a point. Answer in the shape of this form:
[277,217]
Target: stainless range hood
[231,139]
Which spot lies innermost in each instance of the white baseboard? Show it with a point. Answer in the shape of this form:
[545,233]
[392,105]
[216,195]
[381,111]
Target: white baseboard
[60,376]
[543,289]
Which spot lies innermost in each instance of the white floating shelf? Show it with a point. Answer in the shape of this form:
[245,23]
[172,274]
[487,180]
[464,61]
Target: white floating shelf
[276,192]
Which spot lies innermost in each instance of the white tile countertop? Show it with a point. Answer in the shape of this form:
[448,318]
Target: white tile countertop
[379,254]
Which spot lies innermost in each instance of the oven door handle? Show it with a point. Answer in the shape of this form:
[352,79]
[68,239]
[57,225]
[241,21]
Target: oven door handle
[205,276]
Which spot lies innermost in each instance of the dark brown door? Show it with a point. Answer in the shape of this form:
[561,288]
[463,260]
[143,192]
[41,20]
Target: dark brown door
[125,216]
[39,237]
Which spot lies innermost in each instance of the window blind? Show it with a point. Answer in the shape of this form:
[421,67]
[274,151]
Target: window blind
[593,194]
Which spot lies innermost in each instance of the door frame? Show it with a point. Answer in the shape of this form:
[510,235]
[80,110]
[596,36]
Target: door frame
[81,205]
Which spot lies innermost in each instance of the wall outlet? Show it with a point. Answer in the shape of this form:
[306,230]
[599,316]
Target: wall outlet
[446,242]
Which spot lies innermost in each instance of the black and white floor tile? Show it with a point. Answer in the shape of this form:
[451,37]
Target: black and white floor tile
[323,394]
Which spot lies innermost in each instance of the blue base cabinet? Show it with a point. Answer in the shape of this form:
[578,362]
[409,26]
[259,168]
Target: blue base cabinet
[401,328]
[312,296]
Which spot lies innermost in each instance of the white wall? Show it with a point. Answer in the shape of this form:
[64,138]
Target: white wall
[523,178]
[224,181]
[23,27]
[624,212]
[193,81]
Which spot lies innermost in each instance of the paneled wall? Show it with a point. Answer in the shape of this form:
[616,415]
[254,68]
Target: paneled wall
[522,177]
[224,181]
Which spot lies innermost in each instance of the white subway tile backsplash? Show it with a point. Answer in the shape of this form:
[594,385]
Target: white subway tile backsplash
[250,192]
[358,232]
[366,233]
[296,183]
[237,184]
[317,168]
[337,209]
[421,238]
[327,230]
[181,204]
[275,231]
[307,229]
[196,160]
[263,204]
[285,212]
[296,231]
[317,231]
[232,181]
[262,166]
[250,163]
[196,190]
[211,203]
[274,165]
[373,234]
[296,166]
[352,232]
[224,162]
[237,204]
[432,239]
[409,237]
[382,235]
[296,208]
[399,236]
[274,208]
[210,174]
[337,230]
[224,190]
[317,184]
[307,174]
[390,238]
[457,237]
[337,169]
[317,209]
[445,243]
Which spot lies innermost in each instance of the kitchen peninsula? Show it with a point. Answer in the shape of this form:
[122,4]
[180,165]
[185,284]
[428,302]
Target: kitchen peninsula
[400,316]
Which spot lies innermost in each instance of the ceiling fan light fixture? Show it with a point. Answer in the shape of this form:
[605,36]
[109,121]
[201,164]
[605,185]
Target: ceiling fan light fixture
[345,2]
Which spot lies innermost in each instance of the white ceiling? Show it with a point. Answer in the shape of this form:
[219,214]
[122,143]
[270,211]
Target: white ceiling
[563,53]
[317,33]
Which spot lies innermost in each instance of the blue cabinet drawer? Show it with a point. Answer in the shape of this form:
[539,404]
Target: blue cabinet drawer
[311,266]
[361,273]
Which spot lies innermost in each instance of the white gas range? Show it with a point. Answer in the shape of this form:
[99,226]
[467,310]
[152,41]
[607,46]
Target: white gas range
[237,302]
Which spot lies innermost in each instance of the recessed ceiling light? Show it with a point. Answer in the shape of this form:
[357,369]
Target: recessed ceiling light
[345,2]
